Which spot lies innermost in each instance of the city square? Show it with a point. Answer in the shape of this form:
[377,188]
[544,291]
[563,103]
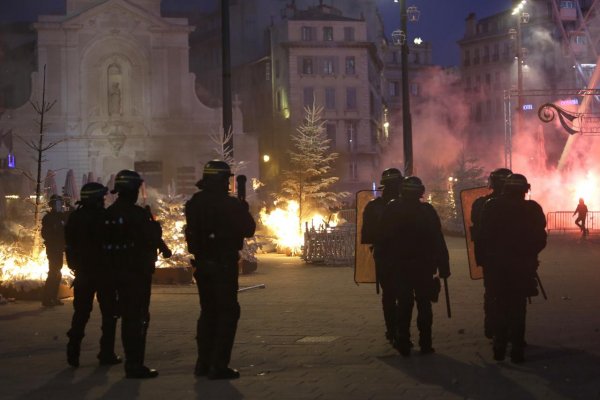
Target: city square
[312,333]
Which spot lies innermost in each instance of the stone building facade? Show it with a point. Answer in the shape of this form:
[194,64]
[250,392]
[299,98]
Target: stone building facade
[119,74]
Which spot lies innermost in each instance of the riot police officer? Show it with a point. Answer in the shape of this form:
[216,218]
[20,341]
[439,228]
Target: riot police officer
[85,257]
[412,237]
[391,179]
[512,235]
[217,224]
[132,239]
[53,233]
[496,183]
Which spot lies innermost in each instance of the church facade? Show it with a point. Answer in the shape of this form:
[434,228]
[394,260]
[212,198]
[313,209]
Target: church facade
[124,97]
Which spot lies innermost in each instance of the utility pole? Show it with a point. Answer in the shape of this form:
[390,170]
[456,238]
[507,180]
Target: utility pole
[226,81]
[406,117]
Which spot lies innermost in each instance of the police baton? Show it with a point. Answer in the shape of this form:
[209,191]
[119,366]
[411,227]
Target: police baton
[537,277]
[448,311]
[241,187]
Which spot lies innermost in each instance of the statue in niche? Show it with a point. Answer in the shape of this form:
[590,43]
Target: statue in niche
[114,100]
[114,90]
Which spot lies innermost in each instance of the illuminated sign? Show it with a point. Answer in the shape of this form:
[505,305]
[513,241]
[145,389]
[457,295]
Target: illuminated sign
[569,102]
[527,107]
[11,161]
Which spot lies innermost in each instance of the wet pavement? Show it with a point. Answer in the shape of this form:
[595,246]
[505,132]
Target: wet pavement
[312,333]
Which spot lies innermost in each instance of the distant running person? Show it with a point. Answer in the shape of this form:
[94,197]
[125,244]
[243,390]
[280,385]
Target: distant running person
[581,212]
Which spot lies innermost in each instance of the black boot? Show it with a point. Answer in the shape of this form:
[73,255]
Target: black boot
[139,371]
[107,354]
[201,368]
[73,350]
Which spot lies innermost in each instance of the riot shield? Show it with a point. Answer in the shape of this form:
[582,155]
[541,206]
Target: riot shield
[364,264]
[467,198]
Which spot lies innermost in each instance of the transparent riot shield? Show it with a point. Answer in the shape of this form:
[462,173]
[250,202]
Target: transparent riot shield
[364,264]
[467,198]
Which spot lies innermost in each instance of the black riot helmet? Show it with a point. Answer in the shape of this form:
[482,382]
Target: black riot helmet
[516,184]
[412,187]
[92,192]
[127,181]
[216,173]
[497,179]
[55,202]
[391,177]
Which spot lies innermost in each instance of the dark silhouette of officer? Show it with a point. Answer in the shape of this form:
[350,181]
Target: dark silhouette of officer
[217,224]
[53,233]
[512,235]
[581,212]
[496,183]
[412,237]
[132,240]
[85,257]
[385,267]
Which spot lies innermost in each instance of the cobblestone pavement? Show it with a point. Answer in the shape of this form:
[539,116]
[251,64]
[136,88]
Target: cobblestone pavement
[312,333]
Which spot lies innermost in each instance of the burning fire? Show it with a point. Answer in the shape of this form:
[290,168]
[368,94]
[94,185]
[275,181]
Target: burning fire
[586,187]
[18,268]
[283,223]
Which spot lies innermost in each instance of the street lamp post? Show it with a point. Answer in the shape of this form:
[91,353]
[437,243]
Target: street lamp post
[226,80]
[522,18]
[402,36]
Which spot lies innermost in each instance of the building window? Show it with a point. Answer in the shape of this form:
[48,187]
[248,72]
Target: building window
[506,52]
[309,96]
[488,80]
[414,89]
[498,108]
[394,57]
[486,54]
[307,33]
[496,52]
[351,135]
[353,172]
[330,98]
[477,83]
[467,60]
[327,33]
[307,66]
[279,100]
[330,128]
[350,66]
[476,57]
[488,108]
[328,68]
[496,80]
[417,58]
[349,34]
[351,98]
[394,88]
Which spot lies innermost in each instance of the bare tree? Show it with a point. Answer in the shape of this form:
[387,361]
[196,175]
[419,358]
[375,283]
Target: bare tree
[39,148]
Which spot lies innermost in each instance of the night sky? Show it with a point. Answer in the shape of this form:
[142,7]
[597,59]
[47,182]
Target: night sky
[442,21]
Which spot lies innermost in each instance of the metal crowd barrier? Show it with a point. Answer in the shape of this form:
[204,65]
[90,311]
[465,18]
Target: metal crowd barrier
[564,221]
[331,245]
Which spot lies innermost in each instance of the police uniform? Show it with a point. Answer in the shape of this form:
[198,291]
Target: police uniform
[53,233]
[131,245]
[371,234]
[512,235]
[216,227]
[496,183]
[412,237]
[85,257]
